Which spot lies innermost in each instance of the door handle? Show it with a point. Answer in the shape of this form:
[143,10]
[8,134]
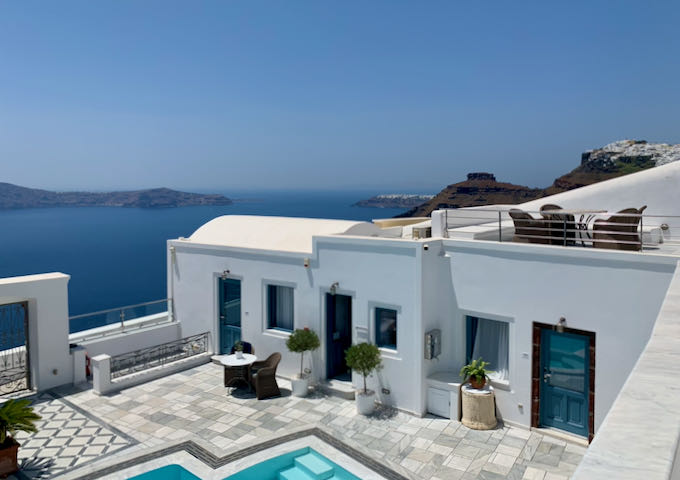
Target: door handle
[221,317]
[546,377]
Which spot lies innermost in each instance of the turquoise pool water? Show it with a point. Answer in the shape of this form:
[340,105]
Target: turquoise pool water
[303,464]
[169,472]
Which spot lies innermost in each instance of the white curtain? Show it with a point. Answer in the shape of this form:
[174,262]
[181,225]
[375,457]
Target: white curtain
[284,308]
[491,343]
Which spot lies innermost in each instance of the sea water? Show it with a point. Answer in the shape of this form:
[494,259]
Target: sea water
[116,256]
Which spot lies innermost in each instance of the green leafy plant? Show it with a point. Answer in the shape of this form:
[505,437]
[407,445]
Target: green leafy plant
[238,346]
[302,340]
[476,370]
[16,416]
[364,358]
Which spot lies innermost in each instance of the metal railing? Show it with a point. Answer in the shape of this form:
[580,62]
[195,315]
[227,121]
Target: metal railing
[158,355]
[569,227]
[120,315]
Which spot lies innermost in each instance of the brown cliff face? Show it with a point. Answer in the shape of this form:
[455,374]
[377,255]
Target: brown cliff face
[613,160]
[479,189]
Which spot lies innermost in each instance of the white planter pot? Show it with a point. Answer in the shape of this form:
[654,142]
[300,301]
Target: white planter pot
[300,386]
[239,354]
[365,402]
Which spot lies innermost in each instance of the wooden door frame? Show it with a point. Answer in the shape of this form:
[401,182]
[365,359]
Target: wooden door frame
[536,377]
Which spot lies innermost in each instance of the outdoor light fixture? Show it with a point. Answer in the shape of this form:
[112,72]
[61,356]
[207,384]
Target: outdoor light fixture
[560,325]
[306,262]
[334,287]
[224,274]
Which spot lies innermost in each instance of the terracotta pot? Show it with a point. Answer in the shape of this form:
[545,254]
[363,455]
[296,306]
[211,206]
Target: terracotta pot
[8,458]
[478,384]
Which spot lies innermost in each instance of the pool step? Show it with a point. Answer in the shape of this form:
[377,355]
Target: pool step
[294,473]
[314,466]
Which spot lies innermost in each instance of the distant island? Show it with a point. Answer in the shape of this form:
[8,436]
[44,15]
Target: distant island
[394,200]
[611,161]
[14,196]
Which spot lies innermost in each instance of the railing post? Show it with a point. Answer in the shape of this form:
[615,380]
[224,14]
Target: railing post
[500,234]
[565,231]
[641,233]
[122,319]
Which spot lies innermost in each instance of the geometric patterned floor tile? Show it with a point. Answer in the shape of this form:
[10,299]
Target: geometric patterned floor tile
[67,437]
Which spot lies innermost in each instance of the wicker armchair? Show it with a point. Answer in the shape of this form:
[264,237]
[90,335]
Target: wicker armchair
[620,231]
[529,229]
[562,226]
[263,377]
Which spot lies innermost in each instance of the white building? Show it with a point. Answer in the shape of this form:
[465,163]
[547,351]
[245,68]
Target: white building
[581,339]
[257,278]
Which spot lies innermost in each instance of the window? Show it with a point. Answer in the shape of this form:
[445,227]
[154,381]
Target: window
[386,328]
[489,339]
[280,307]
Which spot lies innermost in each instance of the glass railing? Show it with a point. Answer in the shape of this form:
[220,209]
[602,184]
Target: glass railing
[121,316]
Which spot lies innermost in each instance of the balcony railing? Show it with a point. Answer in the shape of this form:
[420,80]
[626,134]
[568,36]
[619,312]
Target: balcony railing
[566,227]
[159,355]
[124,317]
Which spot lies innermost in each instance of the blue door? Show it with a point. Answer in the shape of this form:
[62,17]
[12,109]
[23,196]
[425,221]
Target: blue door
[230,313]
[338,335]
[565,382]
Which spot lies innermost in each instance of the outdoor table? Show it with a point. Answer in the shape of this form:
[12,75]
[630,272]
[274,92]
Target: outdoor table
[583,222]
[237,369]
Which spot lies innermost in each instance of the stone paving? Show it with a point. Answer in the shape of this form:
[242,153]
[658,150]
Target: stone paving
[194,404]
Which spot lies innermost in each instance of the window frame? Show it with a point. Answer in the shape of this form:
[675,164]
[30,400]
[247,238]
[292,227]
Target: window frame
[268,285]
[390,347]
[510,322]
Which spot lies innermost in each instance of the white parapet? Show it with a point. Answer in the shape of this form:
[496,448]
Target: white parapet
[79,354]
[101,374]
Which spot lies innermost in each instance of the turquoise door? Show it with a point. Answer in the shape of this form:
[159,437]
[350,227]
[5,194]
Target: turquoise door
[230,313]
[565,384]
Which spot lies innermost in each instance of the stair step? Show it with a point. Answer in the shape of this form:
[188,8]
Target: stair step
[294,473]
[317,467]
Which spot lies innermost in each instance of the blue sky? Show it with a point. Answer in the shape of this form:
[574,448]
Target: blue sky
[384,95]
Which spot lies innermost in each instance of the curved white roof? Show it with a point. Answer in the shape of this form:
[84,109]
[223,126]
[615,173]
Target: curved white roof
[286,234]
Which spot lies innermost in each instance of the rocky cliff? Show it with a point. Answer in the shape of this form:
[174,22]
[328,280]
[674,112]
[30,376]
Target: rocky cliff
[14,196]
[612,160]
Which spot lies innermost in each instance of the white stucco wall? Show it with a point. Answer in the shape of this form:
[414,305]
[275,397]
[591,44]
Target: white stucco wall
[617,295]
[374,272]
[47,296]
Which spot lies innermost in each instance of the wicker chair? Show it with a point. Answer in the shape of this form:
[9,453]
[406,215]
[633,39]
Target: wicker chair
[529,229]
[562,226]
[263,377]
[606,232]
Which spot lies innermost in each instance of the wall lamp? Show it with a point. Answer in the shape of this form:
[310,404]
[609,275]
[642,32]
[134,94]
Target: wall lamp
[225,274]
[334,287]
[561,323]
[305,262]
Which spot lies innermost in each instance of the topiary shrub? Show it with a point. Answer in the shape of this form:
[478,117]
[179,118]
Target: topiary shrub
[364,358]
[303,340]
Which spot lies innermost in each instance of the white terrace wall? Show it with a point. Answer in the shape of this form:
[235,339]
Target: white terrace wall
[47,296]
[617,295]
[375,272]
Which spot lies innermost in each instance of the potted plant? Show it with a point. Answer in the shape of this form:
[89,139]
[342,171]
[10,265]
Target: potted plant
[300,341]
[365,359]
[475,372]
[15,416]
[238,349]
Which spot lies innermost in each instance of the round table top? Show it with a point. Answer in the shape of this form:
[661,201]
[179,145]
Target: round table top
[232,361]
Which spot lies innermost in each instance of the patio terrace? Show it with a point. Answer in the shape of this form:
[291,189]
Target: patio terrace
[84,432]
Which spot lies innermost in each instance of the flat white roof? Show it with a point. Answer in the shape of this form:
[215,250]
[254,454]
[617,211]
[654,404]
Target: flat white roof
[286,234]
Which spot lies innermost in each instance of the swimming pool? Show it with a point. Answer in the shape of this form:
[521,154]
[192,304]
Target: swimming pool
[302,464]
[169,472]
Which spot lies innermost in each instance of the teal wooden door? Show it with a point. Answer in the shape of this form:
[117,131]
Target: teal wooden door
[230,313]
[565,384]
